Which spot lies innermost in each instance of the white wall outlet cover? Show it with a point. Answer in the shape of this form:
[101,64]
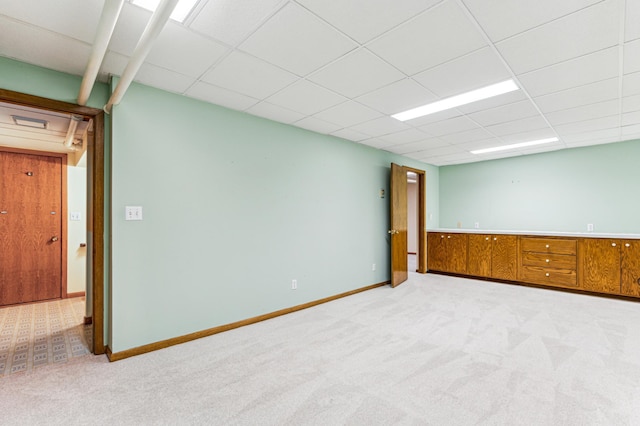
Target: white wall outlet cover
[75,216]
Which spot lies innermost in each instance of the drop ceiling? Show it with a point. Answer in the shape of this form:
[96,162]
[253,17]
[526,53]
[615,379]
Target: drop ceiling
[343,67]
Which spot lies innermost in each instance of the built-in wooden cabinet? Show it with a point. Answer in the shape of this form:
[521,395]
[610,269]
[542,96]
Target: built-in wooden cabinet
[598,265]
[493,256]
[548,261]
[447,252]
[611,266]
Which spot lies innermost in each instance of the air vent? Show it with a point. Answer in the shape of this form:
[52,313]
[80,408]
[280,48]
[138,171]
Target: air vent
[36,123]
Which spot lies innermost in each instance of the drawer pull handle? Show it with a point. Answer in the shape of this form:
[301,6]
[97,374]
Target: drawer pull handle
[495,239]
[547,246]
[487,239]
[547,260]
[441,236]
[448,236]
[627,245]
[546,275]
[613,244]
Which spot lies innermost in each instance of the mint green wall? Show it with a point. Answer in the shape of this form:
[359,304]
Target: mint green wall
[556,191]
[234,208]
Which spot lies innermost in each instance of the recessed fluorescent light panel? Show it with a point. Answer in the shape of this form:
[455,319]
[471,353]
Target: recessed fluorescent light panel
[36,123]
[514,146]
[179,14]
[458,100]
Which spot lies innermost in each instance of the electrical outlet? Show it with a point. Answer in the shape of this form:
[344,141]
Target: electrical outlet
[589,227]
[294,284]
[476,225]
[373,267]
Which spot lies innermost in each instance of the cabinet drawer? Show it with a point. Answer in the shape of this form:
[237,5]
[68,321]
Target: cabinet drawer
[549,276]
[548,245]
[549,260]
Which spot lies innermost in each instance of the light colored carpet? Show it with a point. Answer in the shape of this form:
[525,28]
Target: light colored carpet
[437,350]
[37,334]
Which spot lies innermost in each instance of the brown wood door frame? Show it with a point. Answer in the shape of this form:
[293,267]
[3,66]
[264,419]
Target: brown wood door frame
[95,202]
[422,218]
[63,208]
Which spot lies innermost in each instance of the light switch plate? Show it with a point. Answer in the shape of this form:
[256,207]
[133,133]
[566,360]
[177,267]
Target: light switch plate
[75,216]
[133,213]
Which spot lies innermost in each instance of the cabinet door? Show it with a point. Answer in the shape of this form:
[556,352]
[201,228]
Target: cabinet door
[457,246]
[630,268]
[435,251]
[601,265]
[504,264]
[479,262]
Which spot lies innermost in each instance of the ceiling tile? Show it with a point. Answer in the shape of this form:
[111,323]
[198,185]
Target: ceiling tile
[365,19]
[591,142]
[452,125]
[274,112]
[467,136]
[588,125]
[306,97]
[599,134]
[630,131]
[76,19]
[373,142]
[42,47]
[632,56]
[580,33]
[530,135]
[351,135]
[518,126]
[632,17]
[400,96]
[405,136]
[348,114]
[631,84]
[573,73]
[600,91]
[183,51]
[219,96]
[631,103]
[357,73]
[380,127]
[496,101]
[585,112]
[418,146]
[631,118]
[439,151]
[249,76]
[444,32]
[297,41]
[131,24]
[231,21]
[161,78]
[473,71]
[481,144]
[316,125]
[503,18]
[505,113]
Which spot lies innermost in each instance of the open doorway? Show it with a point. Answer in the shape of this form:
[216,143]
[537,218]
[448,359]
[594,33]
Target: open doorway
[84,245]
[412,221]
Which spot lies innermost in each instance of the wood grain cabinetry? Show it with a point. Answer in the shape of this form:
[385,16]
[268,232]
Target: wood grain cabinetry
[596,265]
[548,261]
[493,256]
[611,266]
[447,252]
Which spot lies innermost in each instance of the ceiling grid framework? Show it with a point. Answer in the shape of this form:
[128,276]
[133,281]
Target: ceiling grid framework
[343,68]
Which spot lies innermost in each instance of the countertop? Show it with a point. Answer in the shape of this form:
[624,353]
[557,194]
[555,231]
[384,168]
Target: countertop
[541,233]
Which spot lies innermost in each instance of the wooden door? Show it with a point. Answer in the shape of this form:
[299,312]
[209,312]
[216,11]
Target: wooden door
[30,227]
[504,253]
[398,231]
[630,268]
[479,262]
[601,265]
